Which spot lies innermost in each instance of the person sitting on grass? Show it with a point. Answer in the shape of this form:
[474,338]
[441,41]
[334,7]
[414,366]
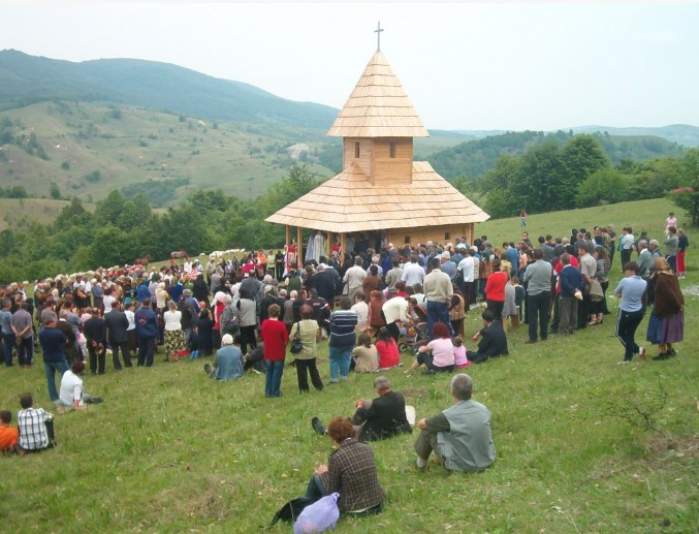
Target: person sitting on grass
[382,418]
[387,348]
[460,358]
[72,394]
[493,340]
[460,436]
[229,360]
[438,354]
[35,426]
[8,434]
[351,471]
[366,359]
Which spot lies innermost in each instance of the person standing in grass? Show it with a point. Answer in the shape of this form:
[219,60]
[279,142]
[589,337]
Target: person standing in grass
[53,343]
[460,436]
[8,336]
[308,331]
[571,282]
[666,325]
[147,331]
[275,338]
[672,244]
[21,324]
[117,334]
[682,245]
[630,291]
[174,337]
[626,245]
[438,293]
[343,323]
[537,278]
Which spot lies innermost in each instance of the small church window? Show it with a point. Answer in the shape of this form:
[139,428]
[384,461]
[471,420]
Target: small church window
[392,150]
[407,239]
[356,150]
[446,235]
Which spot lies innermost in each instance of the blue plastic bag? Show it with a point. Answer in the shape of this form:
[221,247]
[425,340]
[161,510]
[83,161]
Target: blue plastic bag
[320,516]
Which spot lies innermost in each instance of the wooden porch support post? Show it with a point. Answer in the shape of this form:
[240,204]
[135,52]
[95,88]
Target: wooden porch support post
[299,246]
[328,244]
[343,247]
[287,236]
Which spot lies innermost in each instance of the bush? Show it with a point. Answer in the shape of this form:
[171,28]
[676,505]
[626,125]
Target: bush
[606,185]
[93,177]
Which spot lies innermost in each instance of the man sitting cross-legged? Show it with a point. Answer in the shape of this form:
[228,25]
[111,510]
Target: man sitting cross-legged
[460,436]
[381,418]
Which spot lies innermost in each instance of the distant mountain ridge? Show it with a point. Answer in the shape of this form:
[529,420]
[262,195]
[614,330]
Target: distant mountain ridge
[683,134]
[26,79]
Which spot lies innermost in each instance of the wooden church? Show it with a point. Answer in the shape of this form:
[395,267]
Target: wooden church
[381,196]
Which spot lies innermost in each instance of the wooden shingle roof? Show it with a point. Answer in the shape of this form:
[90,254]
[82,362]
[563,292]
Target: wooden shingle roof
[349,202]
[378,106]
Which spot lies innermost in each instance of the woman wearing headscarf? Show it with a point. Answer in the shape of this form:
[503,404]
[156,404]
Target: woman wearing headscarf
[666,325]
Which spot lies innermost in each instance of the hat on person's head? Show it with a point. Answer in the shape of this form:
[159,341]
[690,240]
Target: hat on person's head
[227,339]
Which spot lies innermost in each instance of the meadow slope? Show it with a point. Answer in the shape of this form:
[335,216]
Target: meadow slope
[171,450]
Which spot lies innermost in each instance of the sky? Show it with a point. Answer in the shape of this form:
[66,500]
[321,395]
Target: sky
[495,65]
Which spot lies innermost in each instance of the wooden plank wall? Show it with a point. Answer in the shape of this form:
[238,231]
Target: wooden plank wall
[365,159]
[437,234]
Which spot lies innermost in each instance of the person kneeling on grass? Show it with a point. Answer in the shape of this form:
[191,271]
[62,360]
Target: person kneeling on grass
[35,426]
[351,471]
[382,418]
[438,354]
[229,360]
[8,434]
[387,349]
[460,436]
[72,394]
[493,340]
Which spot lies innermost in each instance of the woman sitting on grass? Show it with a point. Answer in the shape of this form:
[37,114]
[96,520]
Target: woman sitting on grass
[387,349]
[366,358]
[438,355]
[350,471]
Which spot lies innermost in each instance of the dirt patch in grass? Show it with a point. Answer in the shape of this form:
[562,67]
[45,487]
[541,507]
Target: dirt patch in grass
[209,499]
[691,291]
[662,448]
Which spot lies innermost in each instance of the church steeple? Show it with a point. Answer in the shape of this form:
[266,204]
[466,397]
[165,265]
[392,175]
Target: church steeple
[378,123]
[378,106]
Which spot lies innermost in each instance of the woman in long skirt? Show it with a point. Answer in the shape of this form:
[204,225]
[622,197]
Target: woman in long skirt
[666,325]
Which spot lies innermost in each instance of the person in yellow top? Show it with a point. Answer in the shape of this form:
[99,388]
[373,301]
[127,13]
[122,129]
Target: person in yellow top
[8,434]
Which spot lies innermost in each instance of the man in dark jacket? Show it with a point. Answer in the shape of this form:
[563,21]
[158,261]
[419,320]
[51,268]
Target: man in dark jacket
[493,341]
[326,282]
[200,289]
[146,330]
[95,330]
[571,281]
[117,324]
[382,418]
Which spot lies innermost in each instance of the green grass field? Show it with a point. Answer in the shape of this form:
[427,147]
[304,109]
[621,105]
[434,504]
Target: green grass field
[172,451]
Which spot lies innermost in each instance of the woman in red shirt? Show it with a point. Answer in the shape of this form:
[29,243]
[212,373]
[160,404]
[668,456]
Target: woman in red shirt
[495,289]
[387,348]
[275,338]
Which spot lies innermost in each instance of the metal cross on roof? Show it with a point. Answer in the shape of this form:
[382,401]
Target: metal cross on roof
[378,31]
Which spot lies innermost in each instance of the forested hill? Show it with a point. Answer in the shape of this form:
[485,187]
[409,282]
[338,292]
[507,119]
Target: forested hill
[475,158]
[26,79]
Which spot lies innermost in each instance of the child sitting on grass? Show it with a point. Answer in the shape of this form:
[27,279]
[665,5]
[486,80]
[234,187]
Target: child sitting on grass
[8,434]
[387,348]
[460,359]
[366,359]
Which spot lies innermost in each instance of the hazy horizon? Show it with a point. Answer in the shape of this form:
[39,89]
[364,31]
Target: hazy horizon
[501,66]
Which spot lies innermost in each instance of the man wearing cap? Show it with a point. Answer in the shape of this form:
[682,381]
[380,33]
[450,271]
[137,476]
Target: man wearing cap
[53,343]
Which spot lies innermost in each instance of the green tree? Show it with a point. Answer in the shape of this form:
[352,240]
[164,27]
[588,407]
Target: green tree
[604,186]
[55,191]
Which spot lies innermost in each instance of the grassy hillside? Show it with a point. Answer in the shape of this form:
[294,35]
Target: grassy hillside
[20,212]
[88,149]
[26,79]
[641,215]
[171,450]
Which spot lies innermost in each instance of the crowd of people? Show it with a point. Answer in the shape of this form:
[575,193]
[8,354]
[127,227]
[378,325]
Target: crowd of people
[371,306]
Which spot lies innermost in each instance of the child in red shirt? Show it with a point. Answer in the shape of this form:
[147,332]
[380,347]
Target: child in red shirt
[387,348]
[275,338]
[8,434]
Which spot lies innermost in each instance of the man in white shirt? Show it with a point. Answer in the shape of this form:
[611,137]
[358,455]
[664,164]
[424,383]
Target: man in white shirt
[354,277]
[467,269]
[395,310]
[413,273]
[72,393]
[626,245]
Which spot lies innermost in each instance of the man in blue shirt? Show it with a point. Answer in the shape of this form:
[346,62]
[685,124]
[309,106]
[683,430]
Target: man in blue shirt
[146,330]
[53,343]
[630,291]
